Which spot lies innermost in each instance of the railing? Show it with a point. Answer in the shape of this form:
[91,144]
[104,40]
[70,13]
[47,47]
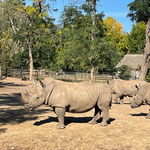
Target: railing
[64,75]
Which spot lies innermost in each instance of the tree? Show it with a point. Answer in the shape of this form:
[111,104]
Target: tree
[35,25]
[90,7]
[79,51]
[140,11]
[116,34]
[136,38]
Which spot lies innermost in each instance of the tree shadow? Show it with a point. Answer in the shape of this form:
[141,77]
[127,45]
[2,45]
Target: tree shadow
[139,114]
[3,84]
[69,120]
[3,130]
[13,99]
[12,110]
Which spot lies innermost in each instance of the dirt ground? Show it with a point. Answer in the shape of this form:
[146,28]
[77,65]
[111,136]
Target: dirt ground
[22,130]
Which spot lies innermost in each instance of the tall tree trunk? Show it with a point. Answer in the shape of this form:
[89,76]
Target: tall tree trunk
[146,55]
[92,73]
[0,72]
[30,58]
[92,38]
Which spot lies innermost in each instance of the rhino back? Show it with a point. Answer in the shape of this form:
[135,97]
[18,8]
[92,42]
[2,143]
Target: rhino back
[80,97]
[127,87]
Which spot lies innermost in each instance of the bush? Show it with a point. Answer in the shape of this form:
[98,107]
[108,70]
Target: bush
[124,72]
[148,76]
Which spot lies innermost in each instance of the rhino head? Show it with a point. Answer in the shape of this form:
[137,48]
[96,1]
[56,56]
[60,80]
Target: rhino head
[136,100]
[111,85]
[34,96]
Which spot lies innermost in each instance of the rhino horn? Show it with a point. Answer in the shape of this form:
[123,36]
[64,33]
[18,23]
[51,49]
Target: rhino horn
[131,100]
[128,98]
[25,94]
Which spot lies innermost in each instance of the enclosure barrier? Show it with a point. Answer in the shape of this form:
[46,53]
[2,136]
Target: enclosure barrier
[63,75]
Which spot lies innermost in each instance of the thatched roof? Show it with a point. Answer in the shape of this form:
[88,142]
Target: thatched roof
[131,60]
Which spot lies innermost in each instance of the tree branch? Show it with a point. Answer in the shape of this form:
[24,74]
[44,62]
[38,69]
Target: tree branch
[40,10]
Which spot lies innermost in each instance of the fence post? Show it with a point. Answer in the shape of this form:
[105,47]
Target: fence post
[21,73]
[75,77]
[37,75]
[0,72]
[6,72]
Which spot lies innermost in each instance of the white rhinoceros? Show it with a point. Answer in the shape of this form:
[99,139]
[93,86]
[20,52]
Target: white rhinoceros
[121,88]
[69,97]
[142,97]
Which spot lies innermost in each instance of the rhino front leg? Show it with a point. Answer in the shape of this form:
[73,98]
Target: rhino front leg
[118,98]
[97,116]
[105,113]
[60,112]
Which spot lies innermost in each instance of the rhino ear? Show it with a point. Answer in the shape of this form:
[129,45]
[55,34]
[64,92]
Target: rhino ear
[42,84]
[138,86]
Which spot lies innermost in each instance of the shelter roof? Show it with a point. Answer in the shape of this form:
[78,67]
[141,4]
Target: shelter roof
[131,60]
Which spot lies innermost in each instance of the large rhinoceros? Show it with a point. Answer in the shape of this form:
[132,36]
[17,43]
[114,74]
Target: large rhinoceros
[121,88]
[69,97]
[142,97]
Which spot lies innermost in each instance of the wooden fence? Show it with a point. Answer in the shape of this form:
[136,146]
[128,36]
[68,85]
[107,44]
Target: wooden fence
[64,75]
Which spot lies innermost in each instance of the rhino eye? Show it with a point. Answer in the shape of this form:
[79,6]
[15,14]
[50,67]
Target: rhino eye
[37,97]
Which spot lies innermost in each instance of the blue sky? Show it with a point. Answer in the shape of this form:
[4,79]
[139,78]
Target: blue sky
[115,8]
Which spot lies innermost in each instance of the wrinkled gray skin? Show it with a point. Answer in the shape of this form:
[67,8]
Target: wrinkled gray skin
[142,97]
[121,88]
[69,97]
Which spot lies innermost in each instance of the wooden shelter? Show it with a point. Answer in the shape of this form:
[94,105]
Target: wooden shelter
[131,60]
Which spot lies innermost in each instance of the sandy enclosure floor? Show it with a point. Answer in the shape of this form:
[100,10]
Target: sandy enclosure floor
[23,130]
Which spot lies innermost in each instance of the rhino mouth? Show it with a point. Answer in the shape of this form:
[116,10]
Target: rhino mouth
[29,108]
[135,106]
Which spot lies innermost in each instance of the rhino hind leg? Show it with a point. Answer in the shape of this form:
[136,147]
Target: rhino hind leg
[60,112]
[148,115]
[96,117]
[120,100]
[105,114]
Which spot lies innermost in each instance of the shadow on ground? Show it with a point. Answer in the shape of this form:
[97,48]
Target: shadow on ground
[12,110]
[139,114]
[69,120]
[3,84]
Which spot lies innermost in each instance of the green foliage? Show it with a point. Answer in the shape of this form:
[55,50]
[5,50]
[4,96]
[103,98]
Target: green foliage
[147,79]
[20,59]
[136,38]
[124,72]
[79,51]
[139,10]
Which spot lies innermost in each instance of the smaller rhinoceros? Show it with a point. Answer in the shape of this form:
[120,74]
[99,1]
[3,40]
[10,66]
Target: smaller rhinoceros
[69,97]
[121,88]
[142,97]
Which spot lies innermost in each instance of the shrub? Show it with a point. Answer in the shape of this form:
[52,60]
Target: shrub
[124,72]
